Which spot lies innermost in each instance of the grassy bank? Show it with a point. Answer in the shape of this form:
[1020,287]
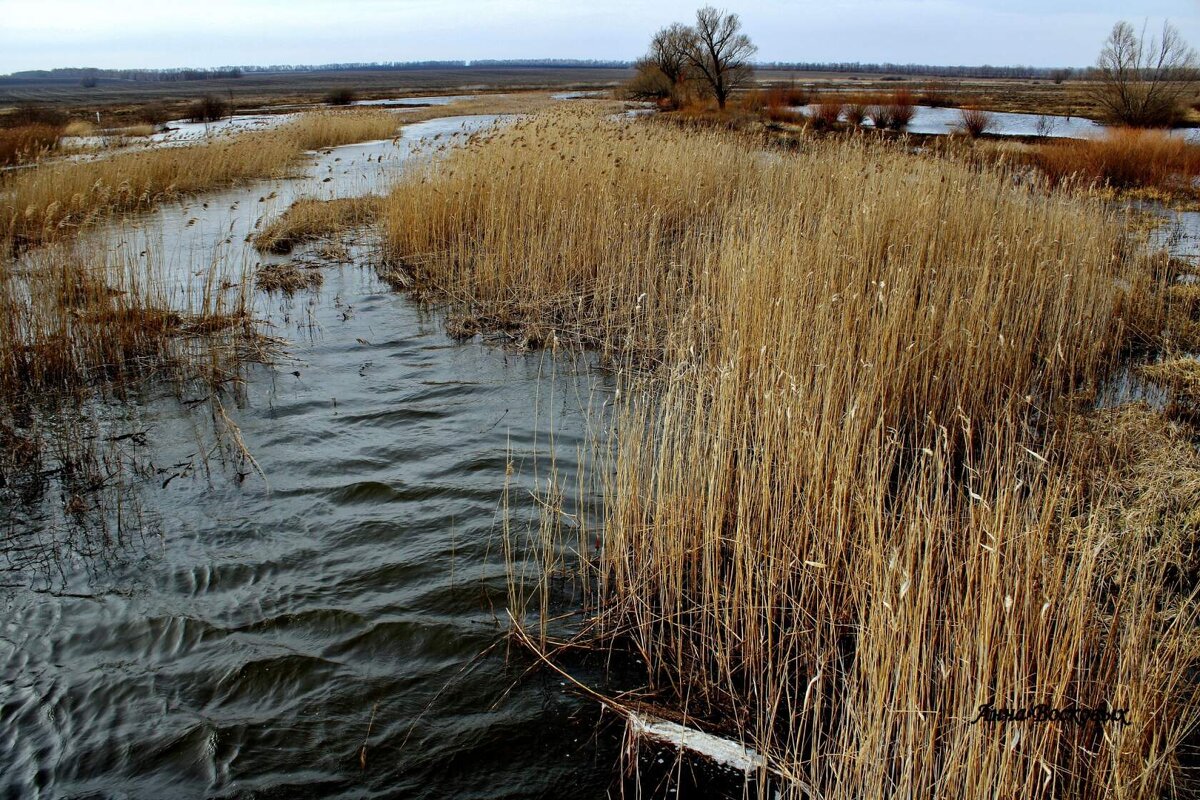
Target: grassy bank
[59,198]
[852,490]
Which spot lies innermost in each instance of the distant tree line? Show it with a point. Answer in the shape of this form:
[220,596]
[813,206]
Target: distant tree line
[189,74]
[932,70]
[89,74]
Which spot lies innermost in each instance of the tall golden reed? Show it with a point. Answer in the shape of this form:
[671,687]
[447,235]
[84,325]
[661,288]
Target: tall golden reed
[852,491]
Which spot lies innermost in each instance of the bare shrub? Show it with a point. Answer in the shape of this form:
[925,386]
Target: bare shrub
[975,121]
[341,97]
[209,108]
[880,112]
[856,111]
[902,108]
[827,112]
[1143,81]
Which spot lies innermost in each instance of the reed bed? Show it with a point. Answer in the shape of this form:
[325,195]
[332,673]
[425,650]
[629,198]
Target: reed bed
[849,496]
[81,329]
[77,323]
[309,219]
[28,143]
[1124,158]
[60,198]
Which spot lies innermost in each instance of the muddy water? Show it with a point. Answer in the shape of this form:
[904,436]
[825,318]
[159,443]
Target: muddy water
[335,629]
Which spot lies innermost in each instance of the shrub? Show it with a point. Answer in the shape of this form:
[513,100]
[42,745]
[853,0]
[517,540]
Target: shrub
[975,121]
[152,114]
[880,113]
[1142,80]
[856,112]
[341,97]
[892,111]
[902,107]
[209,108]
[827,112]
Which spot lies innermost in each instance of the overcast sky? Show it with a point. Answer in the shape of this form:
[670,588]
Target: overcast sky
[171,33]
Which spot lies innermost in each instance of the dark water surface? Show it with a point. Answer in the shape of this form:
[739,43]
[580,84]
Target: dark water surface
[247,638]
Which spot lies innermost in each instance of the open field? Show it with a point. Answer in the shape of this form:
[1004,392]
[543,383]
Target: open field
[123,100]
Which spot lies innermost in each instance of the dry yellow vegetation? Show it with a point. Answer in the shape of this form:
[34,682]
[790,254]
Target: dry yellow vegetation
[848,496]
[59,198]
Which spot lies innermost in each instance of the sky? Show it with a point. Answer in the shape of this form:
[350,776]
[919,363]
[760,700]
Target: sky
[182,33]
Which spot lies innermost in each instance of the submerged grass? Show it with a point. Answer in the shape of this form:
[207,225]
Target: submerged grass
[287,278]
[848,494]
[77,323]
[81,329]
[60,198]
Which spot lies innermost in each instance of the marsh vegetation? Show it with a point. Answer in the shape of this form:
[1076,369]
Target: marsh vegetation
[855,477]
[854,485]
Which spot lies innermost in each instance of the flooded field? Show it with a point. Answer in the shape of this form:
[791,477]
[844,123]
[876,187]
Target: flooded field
[335,628]
[937,121]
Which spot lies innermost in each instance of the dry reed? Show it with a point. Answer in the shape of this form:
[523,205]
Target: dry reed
[60,198]
[1123,158]
[28,143]
[309,219]
[845,503]
[76,323]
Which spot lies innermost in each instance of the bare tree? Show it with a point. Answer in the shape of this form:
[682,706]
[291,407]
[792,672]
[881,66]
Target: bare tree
[668,52]
[663,72]
[719,52]
[1143,81]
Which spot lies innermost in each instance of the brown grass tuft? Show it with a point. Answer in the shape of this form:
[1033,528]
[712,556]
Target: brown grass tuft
[827,112]
[975,121]
[287,278]
[309,219]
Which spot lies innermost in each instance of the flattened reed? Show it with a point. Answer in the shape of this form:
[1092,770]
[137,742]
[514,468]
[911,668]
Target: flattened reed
[308,219]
